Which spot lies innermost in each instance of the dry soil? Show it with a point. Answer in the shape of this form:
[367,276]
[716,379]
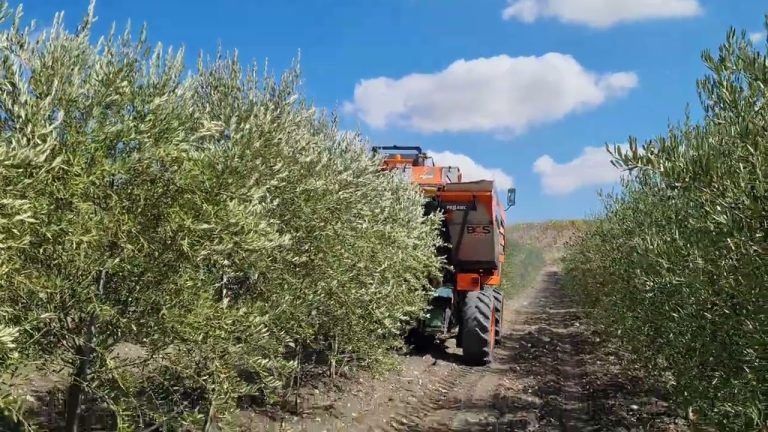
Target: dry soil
[550,374]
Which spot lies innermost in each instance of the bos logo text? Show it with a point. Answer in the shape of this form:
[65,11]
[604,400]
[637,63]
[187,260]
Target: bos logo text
[478,230]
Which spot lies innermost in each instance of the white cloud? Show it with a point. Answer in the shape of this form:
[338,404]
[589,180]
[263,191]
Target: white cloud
[591,168]
[500,94]
[757,37]
[600,13]
[471,170]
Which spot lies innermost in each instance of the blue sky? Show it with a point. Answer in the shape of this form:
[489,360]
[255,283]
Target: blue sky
[521,90]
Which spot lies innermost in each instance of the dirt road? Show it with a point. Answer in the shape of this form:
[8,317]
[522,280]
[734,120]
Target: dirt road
[550,374]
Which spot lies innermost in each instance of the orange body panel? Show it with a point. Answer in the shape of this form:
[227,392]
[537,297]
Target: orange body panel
[427,175]
[474,281]
[492,280]
[468,282]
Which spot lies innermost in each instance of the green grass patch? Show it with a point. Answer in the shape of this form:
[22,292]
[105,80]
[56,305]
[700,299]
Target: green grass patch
[523,263]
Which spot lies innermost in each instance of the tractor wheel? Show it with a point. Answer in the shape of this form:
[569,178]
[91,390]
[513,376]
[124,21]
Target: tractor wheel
[479,327]
[498,298]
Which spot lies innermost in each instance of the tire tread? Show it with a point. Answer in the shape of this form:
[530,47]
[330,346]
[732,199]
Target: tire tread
[476,327]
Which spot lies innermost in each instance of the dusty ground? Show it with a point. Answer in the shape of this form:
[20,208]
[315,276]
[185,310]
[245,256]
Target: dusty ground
[550,375]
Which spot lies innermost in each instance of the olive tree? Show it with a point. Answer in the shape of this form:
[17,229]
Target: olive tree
[107,242]
[676,268]
[215,226]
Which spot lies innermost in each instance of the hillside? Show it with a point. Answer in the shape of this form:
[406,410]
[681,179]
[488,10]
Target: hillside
[530,247]
[550,237]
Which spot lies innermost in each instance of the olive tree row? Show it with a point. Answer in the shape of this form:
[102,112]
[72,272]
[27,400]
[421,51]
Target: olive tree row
[214,221]
[676,268]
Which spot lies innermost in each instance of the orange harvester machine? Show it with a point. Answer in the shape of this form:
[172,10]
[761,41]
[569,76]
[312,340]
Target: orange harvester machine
[474,227]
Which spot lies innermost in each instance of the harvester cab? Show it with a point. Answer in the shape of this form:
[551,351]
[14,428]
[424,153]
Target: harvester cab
[398,156]
[416,166]
[468,299]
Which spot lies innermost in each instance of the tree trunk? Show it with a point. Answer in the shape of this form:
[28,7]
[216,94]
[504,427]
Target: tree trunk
[210,420]
[298,379]
[334,350]
[79,380]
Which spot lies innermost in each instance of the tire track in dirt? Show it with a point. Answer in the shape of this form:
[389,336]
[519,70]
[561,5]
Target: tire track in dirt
[549,375]
[434,392]
[464,397]
[485,398]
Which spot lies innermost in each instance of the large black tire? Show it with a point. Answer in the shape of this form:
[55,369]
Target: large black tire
[498,298]
[478,327]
